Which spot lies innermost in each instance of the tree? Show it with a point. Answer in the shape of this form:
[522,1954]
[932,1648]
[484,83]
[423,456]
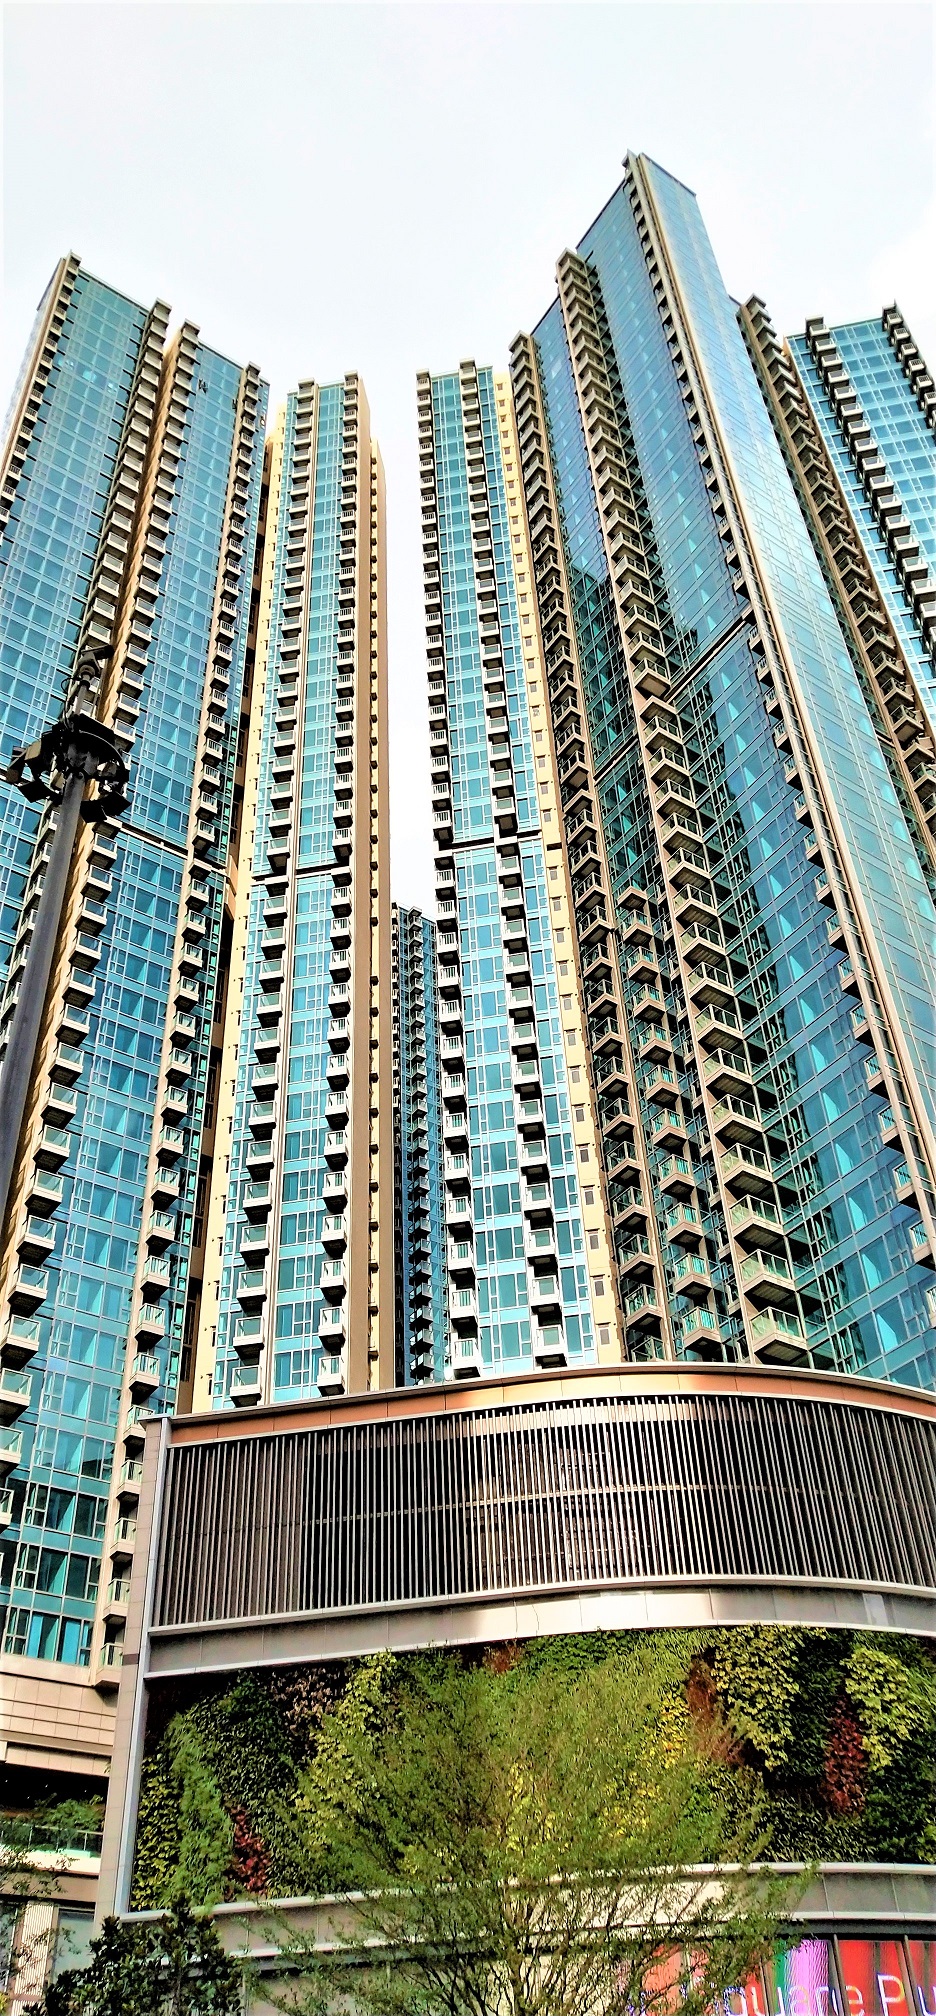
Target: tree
[538,1842]
[35,1849]
[174,1965]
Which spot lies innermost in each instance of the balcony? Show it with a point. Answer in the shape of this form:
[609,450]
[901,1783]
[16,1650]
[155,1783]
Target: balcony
[246,1388]
[173,1104]
[536,1201]
[458,1212]
[921,1246]
[123,1538]
[540,1245]
[59,1104]
[66,1063]
[691,1276]
[29,1289]
[700,1333]
[661,1088]
[79,988]
[116,1597]
[549,1345]
[170,1144]
[150,1322]
[904,1180]
[711,984]
[676,1177]
[21,1338]
[456,1170]
[335,1190]
[331,1373]
[777,1336]
[860,1026]
[460,1260]
[463,1308]
[130,1478]
[534,1159]
[36,1241]
[336,1148]
[110,1660]
[635,1259]
[466,1358]
[155,1276]
[874,1073]
[165,1187]
[545,1296]
[737,1120]
[251,1287]
[262,1117]
[335,1232]
[766,1279]
[145,1374]
[160,1231]
[43,1190]
[529,1115]
[727,1071]
[334,1278]
[15,1393]
[719,1026]
[336,1109]
[136,1421]
[73,1023]
[667,1132]
[643,1310]
[332,1325]
[757,1222]
[748,1170]
[11,1449]
[684,1226]
[54,1148]
[615,1121]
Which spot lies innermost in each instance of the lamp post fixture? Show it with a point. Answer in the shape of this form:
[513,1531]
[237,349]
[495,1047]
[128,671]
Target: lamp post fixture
[71,753]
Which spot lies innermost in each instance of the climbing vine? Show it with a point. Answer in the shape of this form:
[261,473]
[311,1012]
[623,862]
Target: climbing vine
[832,1733]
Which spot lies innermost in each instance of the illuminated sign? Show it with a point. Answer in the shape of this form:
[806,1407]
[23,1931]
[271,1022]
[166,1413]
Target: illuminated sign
[843,1977]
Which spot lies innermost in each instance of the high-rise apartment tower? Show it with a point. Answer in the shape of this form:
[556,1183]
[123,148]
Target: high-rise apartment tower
[528,1257]
[300,1296]
[419,1215]
[750,866]
[130,497]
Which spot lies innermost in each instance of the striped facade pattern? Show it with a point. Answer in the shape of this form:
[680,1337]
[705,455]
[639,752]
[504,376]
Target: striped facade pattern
[557,1495]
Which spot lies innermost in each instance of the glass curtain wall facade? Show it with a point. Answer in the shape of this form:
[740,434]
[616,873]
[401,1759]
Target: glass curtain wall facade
[526,1256]
[300,1302]
[419,1218]
[768,919]
[874,403]
[132,524]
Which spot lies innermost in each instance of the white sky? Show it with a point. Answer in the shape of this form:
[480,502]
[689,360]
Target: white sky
[386,188]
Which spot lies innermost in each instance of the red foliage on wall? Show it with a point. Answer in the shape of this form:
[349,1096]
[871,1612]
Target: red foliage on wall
[251,1859]
[845,1766]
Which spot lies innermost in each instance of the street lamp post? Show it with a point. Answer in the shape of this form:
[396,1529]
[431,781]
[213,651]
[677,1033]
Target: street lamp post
[71,753]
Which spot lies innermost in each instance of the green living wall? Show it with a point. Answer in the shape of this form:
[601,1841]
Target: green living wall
[836,1730]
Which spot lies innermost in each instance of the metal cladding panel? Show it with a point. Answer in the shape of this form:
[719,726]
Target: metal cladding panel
[558,1495]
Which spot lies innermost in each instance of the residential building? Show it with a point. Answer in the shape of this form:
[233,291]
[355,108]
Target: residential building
[130,497]
[876,554]
[299,1291]
[527,1247]
[418,1205]
[736,817]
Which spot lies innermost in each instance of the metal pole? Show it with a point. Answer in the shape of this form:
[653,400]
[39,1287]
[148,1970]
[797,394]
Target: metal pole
[79,749]
[17,1068]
